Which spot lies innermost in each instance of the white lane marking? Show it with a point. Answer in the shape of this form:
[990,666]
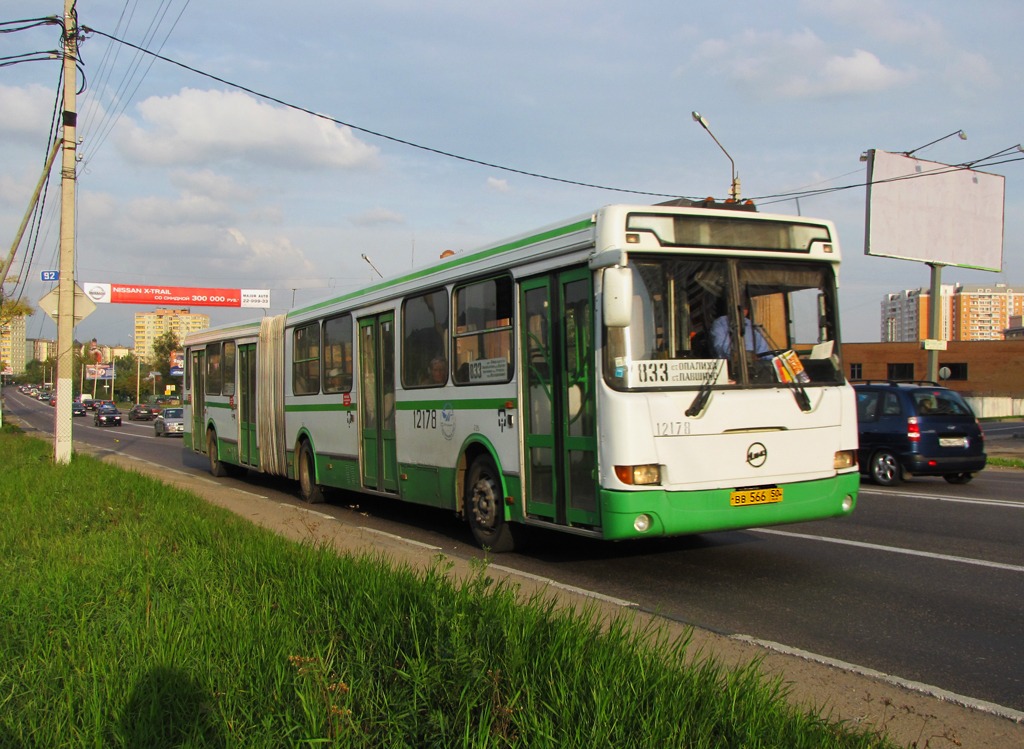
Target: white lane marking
[403,539]
[306,510]
[893,549]
[571,588]
[916,686]
[948,498]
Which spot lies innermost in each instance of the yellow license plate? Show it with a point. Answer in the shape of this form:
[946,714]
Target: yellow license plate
[749,497]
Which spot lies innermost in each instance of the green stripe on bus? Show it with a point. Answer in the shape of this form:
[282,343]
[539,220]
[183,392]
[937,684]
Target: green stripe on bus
[296,407]
[453,263]
[468,404]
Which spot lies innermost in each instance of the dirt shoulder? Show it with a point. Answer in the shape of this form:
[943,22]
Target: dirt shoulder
[908,715]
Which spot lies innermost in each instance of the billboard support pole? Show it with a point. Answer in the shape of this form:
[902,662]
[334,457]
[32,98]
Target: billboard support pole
[935,320]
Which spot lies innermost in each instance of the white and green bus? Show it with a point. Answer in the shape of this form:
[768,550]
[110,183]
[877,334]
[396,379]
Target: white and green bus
[579,377]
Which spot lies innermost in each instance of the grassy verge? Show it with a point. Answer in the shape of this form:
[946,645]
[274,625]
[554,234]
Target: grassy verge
[133,614]
[1004,462]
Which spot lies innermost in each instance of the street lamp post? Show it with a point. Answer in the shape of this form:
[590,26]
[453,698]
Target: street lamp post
[734,188]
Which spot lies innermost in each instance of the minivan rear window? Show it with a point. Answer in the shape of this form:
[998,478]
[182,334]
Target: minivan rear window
[939,403]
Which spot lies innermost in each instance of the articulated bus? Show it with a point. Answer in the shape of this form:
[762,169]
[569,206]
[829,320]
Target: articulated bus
[580,377]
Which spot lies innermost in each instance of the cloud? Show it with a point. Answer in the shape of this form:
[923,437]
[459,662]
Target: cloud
[202,127]
[498,185]
[208,184]
[971,74]
[378,217]
[25,111]
[260,257]
[882,19]
[798,65]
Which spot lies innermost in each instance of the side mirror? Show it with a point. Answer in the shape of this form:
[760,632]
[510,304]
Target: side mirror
[617,293]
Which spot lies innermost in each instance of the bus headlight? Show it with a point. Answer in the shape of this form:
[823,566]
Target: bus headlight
[844,459]
[644,475]
[642,523]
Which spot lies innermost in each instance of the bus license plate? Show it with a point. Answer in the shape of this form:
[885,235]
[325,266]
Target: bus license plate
[749,497]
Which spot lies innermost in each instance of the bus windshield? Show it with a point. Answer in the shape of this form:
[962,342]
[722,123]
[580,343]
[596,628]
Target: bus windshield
[687,313]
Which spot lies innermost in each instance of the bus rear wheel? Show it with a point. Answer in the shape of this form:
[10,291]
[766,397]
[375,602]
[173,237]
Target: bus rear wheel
[217,467]
[309,490]
[484,507]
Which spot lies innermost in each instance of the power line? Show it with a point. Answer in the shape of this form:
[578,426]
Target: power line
[375,133]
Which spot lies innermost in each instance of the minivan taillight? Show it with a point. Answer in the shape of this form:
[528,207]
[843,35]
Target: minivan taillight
[913,430]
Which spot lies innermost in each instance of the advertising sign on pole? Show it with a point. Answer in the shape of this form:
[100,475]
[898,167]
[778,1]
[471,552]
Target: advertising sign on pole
[100,371]
[115,293]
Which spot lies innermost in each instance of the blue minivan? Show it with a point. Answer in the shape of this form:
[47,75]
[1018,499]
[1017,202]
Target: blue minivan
[917,429]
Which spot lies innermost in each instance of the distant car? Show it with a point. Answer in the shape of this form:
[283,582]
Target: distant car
[53,400]
[77,409]
[170,422]
[919,429]
[143,412]
[107,416]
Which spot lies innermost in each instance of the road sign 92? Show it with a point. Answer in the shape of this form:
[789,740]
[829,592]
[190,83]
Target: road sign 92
[50,275]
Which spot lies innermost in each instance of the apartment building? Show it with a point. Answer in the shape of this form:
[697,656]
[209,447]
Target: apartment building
[151,325]
[968,312]
[12,346]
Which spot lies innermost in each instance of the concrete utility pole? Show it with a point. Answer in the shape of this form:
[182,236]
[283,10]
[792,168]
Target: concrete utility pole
[66,283]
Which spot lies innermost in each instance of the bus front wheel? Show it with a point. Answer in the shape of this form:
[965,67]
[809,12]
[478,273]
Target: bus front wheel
[309,490]
[484,507]
[217,467]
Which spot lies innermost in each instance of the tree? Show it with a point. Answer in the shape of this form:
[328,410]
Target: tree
[126,370]
[11,308]
[161,361]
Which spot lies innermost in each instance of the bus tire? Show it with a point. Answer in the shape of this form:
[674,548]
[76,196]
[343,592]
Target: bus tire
[309,490]
[217,467]
[484,506]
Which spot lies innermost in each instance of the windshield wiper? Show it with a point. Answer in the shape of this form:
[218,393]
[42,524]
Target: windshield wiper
[701,400]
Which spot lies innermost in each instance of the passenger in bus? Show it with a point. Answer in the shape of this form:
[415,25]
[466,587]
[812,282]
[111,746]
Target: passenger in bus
[437,371]
[721,337]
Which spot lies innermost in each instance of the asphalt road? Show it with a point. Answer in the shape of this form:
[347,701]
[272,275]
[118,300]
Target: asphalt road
[924,581]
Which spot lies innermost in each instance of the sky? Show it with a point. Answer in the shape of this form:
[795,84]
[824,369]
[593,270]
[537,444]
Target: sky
[185,180]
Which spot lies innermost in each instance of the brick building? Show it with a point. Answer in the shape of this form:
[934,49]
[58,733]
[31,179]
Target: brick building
[978,368]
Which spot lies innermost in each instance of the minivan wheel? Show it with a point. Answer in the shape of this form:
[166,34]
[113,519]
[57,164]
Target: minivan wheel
[958,478]
[885,468]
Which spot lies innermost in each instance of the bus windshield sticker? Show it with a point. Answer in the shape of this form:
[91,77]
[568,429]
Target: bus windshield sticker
[675,372]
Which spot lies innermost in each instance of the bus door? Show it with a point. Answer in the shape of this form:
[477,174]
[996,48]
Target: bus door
[378,449]
[248,452]
[198,364]
[558,392]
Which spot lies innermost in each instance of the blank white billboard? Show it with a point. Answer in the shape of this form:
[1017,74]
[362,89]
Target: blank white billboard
[934,213]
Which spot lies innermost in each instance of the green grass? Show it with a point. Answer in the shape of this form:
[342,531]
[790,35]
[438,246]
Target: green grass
[1004,462]
[133,614]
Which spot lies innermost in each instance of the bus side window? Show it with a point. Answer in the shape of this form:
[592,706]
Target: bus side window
[483,332]
[424,338]
[337,359]
[306,360]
